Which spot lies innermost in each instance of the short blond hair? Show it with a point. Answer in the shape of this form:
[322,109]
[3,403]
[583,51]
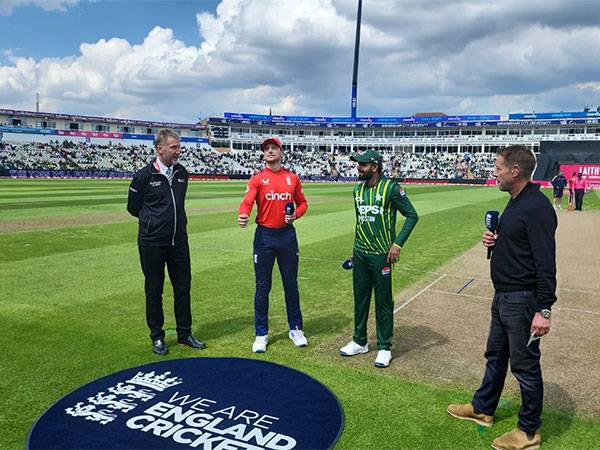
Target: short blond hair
[164,134]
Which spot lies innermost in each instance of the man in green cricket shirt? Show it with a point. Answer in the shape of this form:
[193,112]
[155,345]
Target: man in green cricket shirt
[376,249]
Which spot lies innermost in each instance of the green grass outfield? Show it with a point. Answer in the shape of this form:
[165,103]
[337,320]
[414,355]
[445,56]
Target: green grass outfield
[72,303]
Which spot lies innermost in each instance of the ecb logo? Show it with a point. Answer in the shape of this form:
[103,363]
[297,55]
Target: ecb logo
[200,403]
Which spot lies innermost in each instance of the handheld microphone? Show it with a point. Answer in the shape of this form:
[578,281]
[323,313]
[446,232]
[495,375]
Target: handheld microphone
[289,209]
[347,264]
[491,223]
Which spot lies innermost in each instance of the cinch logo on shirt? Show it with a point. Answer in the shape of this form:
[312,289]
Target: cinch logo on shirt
[278,196]
[155,183]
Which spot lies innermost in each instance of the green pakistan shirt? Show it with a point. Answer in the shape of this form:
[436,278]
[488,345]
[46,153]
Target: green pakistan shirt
[376,216]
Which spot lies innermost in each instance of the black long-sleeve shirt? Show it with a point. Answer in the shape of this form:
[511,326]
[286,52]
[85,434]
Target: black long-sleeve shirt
[159,205]
[524,257]
[559,182]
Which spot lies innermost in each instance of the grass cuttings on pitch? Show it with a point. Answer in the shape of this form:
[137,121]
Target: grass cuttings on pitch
[72,307]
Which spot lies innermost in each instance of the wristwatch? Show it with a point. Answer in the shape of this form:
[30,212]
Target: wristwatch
[545,313]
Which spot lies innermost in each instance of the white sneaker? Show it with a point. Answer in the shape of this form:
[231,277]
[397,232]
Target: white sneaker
[352,348]
[383,358]
[298,338]
[260,344]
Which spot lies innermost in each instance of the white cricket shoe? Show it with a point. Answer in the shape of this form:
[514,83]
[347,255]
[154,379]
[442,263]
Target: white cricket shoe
[352,348]
[298,338]
[383,358]
[260,344]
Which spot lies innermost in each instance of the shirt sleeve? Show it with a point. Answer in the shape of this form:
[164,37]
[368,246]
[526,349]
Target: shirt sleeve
[249,197]
[300,199]
[541,227]
[405,207]
[135,199]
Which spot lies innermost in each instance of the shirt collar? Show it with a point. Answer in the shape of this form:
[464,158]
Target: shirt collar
[160,166]
[281,169]
[529,187]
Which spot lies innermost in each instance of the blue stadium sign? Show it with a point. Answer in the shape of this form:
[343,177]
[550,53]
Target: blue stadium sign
[346,120]
[555,115]
[400,122]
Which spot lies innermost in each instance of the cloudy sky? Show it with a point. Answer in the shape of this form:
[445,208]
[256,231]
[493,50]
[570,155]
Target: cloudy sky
[180,60]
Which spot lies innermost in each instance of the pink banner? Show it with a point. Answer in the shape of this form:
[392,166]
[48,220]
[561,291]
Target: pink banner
[590,172]
[94,134]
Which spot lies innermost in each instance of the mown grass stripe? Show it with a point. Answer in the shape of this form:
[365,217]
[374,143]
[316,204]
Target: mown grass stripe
[72,317]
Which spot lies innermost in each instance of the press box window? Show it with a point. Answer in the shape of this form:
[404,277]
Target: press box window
[45,124]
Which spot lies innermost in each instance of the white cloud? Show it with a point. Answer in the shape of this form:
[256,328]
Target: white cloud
[7,6]
[296,57]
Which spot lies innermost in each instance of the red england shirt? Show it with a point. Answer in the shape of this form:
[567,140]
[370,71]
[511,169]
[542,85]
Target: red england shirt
[272,191]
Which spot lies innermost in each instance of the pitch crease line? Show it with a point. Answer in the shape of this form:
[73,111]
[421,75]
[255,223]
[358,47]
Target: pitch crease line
[465,286]
[578,310]
[557,308]
[418,293]
[437,291]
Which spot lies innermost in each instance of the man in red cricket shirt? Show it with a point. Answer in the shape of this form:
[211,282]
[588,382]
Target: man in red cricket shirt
[274,188]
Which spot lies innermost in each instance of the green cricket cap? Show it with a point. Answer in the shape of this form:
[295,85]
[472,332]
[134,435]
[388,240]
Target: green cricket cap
[367,157]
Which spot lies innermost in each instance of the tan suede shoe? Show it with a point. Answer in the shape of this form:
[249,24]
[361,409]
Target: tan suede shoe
[517,440]
[466,412]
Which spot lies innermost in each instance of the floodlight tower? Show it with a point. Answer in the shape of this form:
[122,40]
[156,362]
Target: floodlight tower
[355,70]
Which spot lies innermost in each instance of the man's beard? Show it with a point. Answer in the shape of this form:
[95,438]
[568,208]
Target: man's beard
[365,175]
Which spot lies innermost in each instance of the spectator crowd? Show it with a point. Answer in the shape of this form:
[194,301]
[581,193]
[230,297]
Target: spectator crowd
[307,163]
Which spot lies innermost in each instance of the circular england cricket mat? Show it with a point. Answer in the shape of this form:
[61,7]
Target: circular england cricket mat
[199,403]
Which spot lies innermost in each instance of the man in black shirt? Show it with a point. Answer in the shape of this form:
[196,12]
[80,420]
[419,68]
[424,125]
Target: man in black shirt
[157,199]
[523,270]
[559,182]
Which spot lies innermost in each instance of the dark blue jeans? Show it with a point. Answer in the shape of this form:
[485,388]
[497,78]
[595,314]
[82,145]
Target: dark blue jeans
[512,314]
[279,244]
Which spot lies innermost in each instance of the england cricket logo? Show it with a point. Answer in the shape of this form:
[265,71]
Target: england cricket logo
[104,408]
[195,403]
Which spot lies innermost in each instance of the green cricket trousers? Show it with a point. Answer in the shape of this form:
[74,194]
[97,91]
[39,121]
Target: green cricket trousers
[373,272]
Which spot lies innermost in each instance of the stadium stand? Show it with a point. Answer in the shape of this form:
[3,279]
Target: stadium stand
[309,164]
[420,147]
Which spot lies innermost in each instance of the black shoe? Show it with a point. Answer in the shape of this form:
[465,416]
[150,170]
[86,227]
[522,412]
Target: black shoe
[191,341]
[160,347]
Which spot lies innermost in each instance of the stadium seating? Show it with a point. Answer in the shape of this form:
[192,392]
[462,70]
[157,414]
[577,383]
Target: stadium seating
[308,163]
